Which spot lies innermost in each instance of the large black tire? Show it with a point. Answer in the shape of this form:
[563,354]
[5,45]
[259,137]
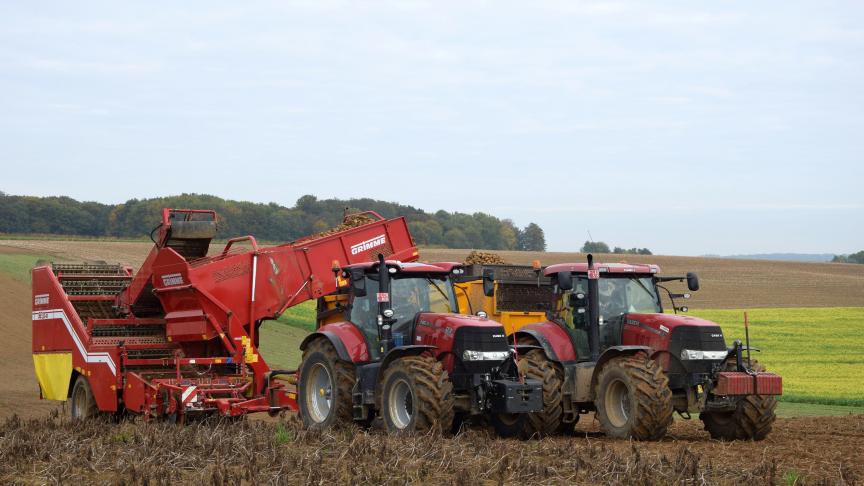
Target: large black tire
[416,394]
[324,387]
[534,364]
[752,418]
[82,404]
[633,399]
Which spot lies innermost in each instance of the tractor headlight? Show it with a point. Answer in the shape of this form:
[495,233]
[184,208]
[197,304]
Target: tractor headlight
[693,354]
[469,355]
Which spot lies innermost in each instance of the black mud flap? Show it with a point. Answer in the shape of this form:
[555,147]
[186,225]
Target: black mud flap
[508,396]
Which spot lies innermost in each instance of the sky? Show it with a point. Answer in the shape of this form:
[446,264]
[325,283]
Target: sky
[686,127]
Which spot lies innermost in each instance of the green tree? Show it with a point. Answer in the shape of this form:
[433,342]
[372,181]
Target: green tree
[595,247]
[532,238]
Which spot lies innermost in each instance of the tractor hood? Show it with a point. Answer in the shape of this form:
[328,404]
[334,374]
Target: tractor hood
[669,321]
[676,333]
[435,320]
[454,333]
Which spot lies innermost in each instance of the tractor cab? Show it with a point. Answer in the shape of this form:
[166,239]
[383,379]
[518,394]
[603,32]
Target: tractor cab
[413,289]
[622,289]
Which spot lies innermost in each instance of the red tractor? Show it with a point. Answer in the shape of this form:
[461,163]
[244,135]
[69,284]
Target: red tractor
[608,347]
[391,345]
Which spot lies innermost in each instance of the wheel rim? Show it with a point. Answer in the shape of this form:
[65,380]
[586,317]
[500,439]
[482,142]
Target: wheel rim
[617,403]
[319,393]
[401,404]
[79,403]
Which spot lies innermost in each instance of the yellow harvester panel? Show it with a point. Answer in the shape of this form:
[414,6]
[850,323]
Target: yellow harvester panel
[53,371]
[470,297]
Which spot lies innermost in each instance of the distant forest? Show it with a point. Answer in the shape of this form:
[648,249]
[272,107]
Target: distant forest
[273,222]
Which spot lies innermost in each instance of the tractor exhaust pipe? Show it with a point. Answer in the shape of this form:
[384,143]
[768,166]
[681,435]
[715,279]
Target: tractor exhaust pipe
[593,310]
[385,322]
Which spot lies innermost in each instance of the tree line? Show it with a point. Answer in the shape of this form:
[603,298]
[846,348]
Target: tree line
[601,247]
[851,258]
[273,222]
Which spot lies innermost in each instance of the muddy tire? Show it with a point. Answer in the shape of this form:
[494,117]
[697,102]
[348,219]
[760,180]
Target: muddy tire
[633,399]
[82,404]
[324,387]
[752,418]
[416,394]
[534,364]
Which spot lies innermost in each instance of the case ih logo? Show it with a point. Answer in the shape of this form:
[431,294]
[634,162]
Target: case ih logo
[172,279]
[368,244]
[41,299]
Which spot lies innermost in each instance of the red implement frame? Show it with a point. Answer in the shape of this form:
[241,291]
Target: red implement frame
[181,337]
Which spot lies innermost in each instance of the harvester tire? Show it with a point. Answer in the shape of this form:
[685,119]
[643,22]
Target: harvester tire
[324,387]
[534,364]
[633,399]
[752,418]
[82,403]
[416,394]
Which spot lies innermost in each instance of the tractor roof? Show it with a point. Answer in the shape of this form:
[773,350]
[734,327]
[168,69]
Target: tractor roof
[412,267]
[602,267]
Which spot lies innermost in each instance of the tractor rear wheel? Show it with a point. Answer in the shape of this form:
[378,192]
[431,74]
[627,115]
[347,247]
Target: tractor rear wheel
[324,387]
[633,399]
[416,395]
[752,418]
[83,404]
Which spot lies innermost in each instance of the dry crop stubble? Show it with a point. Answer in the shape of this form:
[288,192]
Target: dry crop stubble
[52,449]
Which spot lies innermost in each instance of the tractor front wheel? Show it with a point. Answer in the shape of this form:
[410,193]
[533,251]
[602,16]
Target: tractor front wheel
[633,398]
[751,420]
[324,387]
[83,404]
[416,395]
[534,364]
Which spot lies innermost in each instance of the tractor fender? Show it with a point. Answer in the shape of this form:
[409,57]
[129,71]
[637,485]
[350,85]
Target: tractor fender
[334,340]
[346,338]
[552,338]
[614,352]
[521,349]
[401,352]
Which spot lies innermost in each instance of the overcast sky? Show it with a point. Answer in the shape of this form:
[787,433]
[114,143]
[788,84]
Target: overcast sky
[721,127]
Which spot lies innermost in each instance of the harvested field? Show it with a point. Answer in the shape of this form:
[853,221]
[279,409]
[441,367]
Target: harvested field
[20,393]
[51,449]
[726,283]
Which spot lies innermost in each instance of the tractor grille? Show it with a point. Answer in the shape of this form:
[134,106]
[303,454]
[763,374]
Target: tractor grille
[706,338]
[476,339]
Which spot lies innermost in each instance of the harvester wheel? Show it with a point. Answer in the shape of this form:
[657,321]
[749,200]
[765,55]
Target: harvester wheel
[416,395]
[83,404]
[751,420]
[324,387]
[534,364]
[633,399]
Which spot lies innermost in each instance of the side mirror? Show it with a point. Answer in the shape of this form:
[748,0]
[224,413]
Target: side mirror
[488,282]
[692,282]
[358,282]
[565,281]
[578,300]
